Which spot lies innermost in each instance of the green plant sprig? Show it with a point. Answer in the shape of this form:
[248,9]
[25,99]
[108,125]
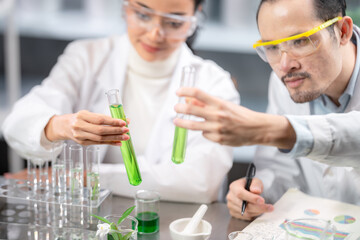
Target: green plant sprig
[116,235]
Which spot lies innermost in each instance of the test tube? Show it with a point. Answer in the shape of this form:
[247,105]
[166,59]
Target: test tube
[37,169]
[76,173]
[58,177]
[127,149]
[92,173]
[180,136]
[32,178]
[43,176]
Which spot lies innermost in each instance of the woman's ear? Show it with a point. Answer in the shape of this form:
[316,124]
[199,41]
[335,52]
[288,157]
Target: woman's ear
[346,29]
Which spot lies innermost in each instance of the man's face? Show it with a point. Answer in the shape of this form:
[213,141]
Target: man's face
[308,77]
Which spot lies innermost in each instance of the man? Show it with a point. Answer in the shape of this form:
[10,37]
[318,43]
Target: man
[310,134]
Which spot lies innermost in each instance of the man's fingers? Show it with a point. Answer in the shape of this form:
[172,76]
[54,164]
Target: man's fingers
[248,196]
[195,102]
[199,95]
[256,186]
[257,209]
[195,110]
[192,125]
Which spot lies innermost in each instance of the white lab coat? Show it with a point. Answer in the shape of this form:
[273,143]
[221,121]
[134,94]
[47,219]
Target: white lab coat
[79,80]
[331,170]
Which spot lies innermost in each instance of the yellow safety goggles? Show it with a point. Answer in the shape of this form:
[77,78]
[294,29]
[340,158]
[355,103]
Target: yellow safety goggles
[298,45]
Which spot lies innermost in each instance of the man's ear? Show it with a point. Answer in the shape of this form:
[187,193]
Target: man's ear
[346,29]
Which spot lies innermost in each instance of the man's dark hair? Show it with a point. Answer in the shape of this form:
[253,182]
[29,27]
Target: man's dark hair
[324,9]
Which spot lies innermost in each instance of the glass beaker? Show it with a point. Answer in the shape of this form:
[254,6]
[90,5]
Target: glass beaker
[239,235]
[180,136]
[147,211]
[309,228]
[127,149]
[92,173]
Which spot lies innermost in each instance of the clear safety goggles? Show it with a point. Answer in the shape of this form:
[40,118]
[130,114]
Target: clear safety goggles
[170,25]
[298,46]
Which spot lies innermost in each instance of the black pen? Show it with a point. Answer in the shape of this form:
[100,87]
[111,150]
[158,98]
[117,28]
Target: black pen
[250,173]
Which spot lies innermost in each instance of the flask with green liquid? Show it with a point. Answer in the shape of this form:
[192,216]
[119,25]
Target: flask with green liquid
[127,149]
[180,136]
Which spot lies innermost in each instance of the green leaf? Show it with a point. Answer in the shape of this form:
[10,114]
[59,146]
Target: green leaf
[127,236]
[125,214]
[101,219]
[121,237]
[109,237]
[115,236]
[113,227]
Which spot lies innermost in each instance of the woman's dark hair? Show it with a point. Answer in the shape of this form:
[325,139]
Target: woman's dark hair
[192,38]
[324,9]
[198,3]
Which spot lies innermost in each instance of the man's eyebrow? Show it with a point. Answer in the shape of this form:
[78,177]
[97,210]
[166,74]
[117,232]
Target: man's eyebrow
[145,6]
[282,38]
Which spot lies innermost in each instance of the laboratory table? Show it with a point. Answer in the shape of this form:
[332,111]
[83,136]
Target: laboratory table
[21,219]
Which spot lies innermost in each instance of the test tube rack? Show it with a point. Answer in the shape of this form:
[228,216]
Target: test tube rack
[19,189]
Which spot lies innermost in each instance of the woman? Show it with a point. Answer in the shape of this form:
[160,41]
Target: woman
[145,64]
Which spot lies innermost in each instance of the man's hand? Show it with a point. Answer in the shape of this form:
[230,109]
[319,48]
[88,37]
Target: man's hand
[255,203]
[231,124]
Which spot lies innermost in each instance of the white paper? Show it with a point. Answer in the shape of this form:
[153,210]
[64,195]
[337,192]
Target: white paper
[296,204]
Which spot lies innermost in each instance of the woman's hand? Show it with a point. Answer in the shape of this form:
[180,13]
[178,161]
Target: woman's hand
[87,128]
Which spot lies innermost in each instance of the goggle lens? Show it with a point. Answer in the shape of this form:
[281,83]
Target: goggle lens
[297,48]
[170,25]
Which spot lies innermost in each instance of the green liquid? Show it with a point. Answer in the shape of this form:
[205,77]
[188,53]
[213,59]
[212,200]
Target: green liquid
[179,146]
[127,149]
[94,183]
[148,222]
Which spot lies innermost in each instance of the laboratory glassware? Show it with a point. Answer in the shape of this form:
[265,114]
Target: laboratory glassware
[76,172]
[127,149]
[147,211]
[180,136]
[240,235]
[58,177]
[92,173]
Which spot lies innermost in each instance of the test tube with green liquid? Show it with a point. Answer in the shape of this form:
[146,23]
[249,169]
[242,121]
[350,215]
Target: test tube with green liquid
[180,136]
[127,149]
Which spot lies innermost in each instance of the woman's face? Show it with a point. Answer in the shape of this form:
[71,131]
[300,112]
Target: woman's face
[156,36]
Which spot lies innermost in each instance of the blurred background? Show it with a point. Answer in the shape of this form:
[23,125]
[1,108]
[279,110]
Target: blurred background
[33,33]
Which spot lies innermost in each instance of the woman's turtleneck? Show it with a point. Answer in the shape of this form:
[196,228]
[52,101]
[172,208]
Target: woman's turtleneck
[144,93]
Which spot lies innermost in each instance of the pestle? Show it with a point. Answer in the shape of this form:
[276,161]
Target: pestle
[195,220]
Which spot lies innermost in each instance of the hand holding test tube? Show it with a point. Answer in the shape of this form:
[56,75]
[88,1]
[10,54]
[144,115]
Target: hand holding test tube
[127,149]
[180,137]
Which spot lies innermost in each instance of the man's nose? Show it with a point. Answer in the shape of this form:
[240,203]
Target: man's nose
[287,62]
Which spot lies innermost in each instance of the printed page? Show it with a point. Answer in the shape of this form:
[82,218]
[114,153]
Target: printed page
[295,204]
